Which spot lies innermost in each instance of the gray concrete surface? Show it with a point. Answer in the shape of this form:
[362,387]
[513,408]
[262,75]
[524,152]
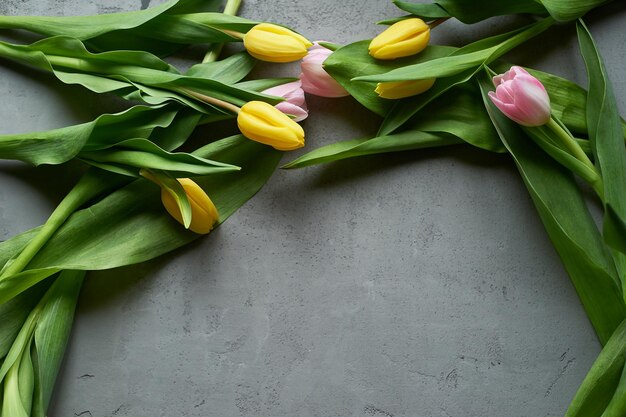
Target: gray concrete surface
[415,284]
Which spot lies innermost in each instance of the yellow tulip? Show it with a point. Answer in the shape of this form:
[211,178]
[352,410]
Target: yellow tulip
[264,123]
[203,212]
[404,38]
[401,89]
[275,43]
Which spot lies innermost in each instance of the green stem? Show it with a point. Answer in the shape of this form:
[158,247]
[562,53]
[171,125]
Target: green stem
[211,100]
[437,22]
[88,187]
[569,142]
[577,151]
[231,9]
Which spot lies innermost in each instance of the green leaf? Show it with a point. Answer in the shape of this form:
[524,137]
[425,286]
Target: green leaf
[196,28]
[353,60]
[567,10]
[427,11]
[607,142]
[60,145]
[84,27]
[129,156]
[26,381]
[52,334]
[228,71]
[175,189]
[264,84]
[470,57]
[133,226]
[569,224]
[459,112]
[598,389]
[404,141]
[14,313]
[176,133]
[471,11]
[404,109]
[12,404]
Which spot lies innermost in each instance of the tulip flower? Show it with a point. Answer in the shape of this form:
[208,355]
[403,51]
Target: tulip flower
[294,104]
[404,38]
[401,89]
[264,123]
[274,43]
[203,212]
[315,80]
[521,97]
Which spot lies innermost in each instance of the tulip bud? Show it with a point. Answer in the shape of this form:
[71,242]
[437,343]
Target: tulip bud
[294,103]
[274,43]
[521,97]
[401,89]
[263,123]
[315,80]
[404,38]
[203,212]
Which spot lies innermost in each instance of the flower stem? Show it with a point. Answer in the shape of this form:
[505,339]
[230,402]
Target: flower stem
[577,151]
[437,22]
[569,142]
[211,100]
[231,9]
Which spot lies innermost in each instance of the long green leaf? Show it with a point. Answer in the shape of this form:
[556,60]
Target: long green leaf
[13,314]
[600,384]
[84,27]
[459,112]
[568,222]
[52,334]
[471,11]
[129,156]
[404,141]
[607,143]
[60,145]
[567,10]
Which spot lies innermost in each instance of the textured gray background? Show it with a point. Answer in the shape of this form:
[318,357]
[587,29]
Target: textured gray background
[414,284]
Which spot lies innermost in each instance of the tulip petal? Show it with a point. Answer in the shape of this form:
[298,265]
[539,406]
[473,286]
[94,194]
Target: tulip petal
[298,112]
[521,97]
[203,212]
[398,32]
[264,123]
[274,43]
[315,80]
[407,47]
[401,89]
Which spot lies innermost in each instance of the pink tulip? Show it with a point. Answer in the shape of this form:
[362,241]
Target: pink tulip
[315,80]
[294,103]
[521,97]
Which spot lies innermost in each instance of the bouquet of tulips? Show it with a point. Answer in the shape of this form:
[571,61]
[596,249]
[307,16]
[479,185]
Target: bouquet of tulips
[428,95]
